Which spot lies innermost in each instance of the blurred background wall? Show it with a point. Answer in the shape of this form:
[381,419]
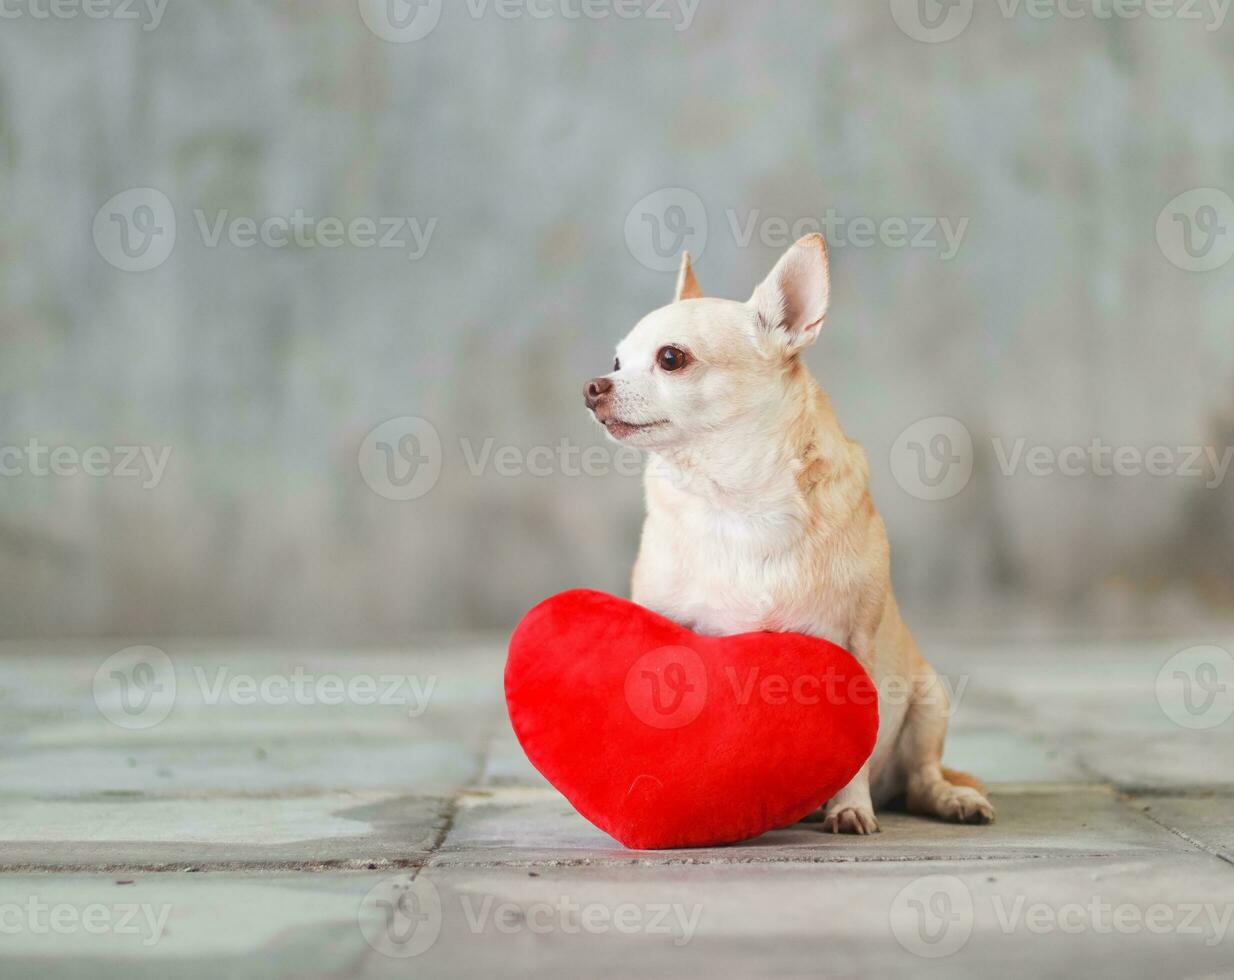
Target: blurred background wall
[1030,228]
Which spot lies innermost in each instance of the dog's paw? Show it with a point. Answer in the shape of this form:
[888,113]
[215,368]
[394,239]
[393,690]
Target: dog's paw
[962,804]
[851,820]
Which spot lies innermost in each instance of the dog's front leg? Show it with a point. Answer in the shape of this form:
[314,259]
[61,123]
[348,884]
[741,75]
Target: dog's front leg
[851,811]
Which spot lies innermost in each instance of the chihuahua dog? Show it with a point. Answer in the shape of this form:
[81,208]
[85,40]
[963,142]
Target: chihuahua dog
[759,515]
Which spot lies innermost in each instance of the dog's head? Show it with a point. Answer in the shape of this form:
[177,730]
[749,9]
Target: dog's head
[700,365]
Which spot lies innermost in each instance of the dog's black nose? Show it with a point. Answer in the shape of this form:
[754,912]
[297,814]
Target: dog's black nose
[595,391]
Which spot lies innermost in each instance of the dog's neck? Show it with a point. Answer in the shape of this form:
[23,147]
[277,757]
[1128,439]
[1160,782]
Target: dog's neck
[780,452]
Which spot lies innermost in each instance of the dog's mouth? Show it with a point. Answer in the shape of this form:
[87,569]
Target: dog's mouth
[623,430]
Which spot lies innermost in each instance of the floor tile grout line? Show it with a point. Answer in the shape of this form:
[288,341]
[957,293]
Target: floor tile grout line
[207,868]
[448,816]
[458,862]
[1180,834]
[453,804]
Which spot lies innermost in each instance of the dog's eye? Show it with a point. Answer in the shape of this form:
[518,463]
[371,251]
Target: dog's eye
[617,364]
[671,358]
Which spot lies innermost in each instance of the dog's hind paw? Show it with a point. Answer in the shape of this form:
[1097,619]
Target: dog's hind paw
[965,805]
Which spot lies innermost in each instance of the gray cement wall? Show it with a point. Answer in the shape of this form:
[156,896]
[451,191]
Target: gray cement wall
[551,166]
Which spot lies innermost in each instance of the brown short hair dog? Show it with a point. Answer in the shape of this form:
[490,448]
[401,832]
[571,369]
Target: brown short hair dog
[759,515]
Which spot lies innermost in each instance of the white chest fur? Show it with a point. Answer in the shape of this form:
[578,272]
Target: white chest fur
[726,569]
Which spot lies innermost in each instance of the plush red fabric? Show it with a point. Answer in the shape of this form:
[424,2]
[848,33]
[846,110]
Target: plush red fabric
[666,739]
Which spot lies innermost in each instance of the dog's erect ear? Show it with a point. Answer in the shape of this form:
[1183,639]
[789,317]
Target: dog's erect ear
[792,302]
[687,285]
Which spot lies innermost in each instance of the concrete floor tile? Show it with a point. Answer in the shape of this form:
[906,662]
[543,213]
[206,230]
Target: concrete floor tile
[187,926]
[529,827]
[507,764]
[484,870]
[1173,760]
[1036,918]
[1206,819]
[355,830]
[1132,917]
[1011,757]
[272,763]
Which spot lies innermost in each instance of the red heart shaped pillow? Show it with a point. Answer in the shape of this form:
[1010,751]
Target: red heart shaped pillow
[664,739]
